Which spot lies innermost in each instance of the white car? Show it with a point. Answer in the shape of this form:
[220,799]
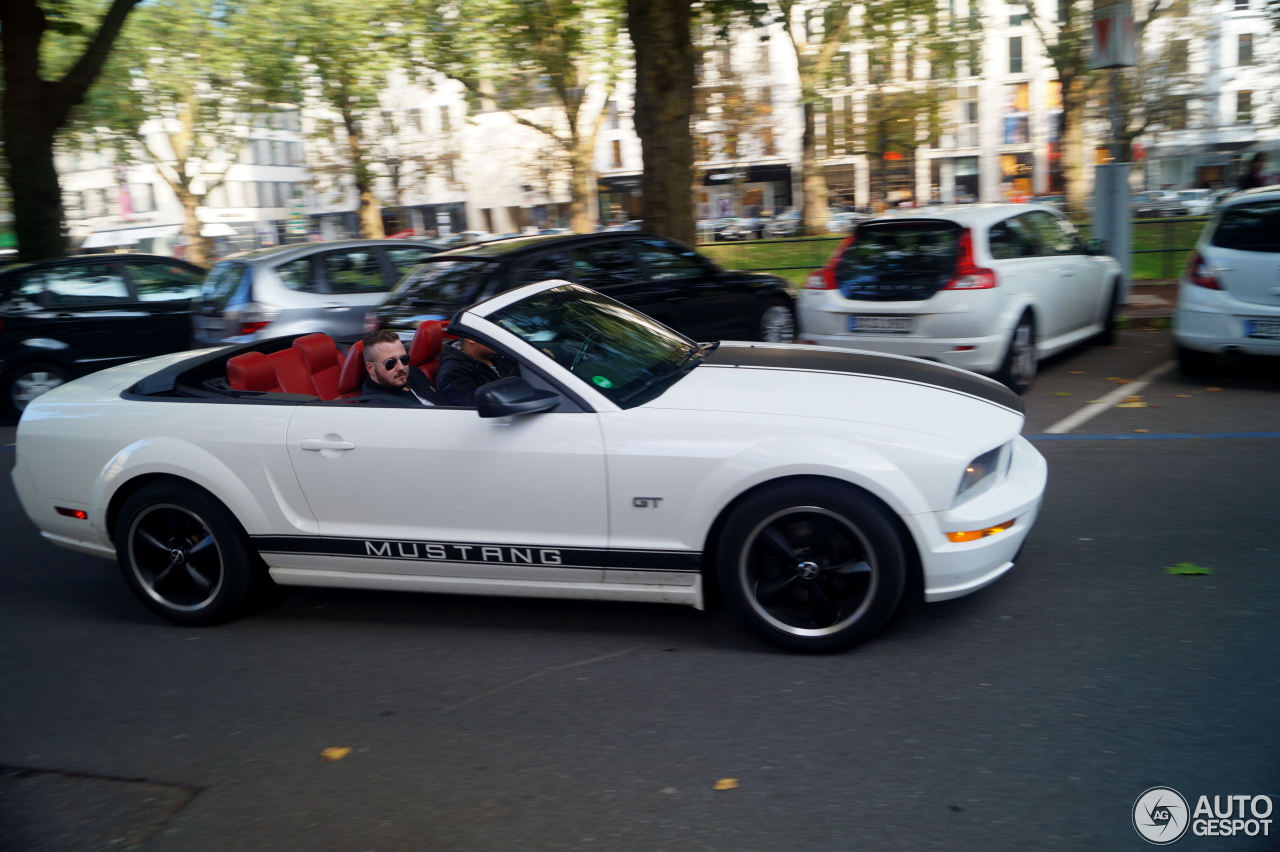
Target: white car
[1229,294]
[626,462]
[1197,202]
[991,288]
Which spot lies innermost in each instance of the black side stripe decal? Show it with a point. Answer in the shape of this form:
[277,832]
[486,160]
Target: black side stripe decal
[668,561]
[867,364]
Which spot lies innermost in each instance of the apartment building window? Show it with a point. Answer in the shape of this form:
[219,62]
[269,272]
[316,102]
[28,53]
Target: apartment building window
[1244,49]
[444,119]
[1015,55]
[1017,19]
[264,152]
[1017,119]
[1242,5]
[1178,56]
[617,153]
[1176,118]
[143,197]
[413,117]
[1244,107]
[613,114]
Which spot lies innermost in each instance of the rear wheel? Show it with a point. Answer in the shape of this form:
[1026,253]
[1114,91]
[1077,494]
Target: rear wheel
[777,323]
[811,566]
[184,555]
[25,382]
[1018,370]
[1107,336]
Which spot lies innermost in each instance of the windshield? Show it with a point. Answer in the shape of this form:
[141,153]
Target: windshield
[623,354]
[443,286]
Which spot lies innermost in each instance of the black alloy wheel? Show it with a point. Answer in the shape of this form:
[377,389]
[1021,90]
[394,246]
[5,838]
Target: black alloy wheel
[777,323]
[811,566]
[184,555]
[1018,370]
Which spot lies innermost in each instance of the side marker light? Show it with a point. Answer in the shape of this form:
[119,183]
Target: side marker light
[974,535]
[78,514]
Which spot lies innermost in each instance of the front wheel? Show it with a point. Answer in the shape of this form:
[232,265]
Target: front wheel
[184,555]
[811,566]
[1018,370]
[777,324]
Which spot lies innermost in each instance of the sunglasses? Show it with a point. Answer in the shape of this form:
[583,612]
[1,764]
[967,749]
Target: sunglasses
[390,363]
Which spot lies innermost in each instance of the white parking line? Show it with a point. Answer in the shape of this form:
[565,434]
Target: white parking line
[1098,406]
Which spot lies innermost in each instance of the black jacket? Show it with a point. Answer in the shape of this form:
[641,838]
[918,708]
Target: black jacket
[383,395]
[460,375]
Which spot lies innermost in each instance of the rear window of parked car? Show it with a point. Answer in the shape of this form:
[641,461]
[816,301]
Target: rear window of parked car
[222,282]
[1250,227]
[899,260]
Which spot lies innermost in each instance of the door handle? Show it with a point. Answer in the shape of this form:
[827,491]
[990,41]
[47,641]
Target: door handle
[315,445]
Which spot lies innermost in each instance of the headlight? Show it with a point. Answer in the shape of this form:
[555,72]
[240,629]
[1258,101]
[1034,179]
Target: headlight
[983,472]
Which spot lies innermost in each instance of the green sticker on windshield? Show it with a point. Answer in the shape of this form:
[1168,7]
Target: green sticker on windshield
[602,382]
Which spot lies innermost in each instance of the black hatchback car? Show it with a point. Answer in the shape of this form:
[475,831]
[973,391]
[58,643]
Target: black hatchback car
[662,278]
[65,317]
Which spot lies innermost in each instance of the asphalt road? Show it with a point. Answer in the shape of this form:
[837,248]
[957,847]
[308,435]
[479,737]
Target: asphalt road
[1028,716]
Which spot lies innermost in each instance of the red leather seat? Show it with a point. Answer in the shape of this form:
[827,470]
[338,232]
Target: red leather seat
[291,372]
[323,362]
[353,372]
[252,371]
[424,353]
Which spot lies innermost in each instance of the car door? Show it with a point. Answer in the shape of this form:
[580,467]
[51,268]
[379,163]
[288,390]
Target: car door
[88,306]
[165,290]
[352,281]
[443,492]
[1079,284]
[702,301]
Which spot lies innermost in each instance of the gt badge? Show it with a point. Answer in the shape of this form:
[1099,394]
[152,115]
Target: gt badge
[646,502]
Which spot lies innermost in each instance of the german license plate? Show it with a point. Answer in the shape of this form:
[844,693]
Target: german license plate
[880,325]
[1262,328]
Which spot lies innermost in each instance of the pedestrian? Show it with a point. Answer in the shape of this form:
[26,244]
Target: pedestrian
[1254,177]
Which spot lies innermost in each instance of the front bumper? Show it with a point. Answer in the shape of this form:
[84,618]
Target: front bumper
[952,569]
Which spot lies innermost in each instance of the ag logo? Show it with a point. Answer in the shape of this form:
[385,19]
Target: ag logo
[1161,815]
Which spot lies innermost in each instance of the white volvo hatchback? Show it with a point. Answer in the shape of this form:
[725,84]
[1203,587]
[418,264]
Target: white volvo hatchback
[992,288]
[810,487]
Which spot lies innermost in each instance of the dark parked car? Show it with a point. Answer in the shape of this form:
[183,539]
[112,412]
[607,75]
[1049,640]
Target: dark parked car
[61,318]
[666,280]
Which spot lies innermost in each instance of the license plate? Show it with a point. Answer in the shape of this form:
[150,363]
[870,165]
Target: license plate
[1262,328]
[882,325]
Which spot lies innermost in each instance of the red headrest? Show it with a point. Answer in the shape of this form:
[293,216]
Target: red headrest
[353,371]
[319,352]
[252,371]
[427,341]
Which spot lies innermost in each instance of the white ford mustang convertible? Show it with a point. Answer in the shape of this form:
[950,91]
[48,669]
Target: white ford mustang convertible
[808,487]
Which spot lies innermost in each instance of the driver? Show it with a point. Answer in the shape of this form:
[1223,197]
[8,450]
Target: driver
[467,364]
[389,377]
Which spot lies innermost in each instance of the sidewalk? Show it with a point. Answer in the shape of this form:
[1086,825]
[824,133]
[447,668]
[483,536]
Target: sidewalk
[1150,303]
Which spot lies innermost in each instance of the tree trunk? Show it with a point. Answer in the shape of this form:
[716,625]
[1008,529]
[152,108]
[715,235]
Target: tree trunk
[665,68]
[197,245]
[1074,155]
[369,213]
[33,112]
[815,185]
[580,197]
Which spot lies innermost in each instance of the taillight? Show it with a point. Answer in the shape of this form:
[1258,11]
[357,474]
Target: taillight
[825,278]
[1199,274]
[968,275]
[253,327]
[821,279]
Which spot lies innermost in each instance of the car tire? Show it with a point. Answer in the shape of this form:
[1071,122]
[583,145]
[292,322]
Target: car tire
[811,565]
[776,323]
[1193,362]
[1107,336]
[185,556]
[1018,369]
[25,382]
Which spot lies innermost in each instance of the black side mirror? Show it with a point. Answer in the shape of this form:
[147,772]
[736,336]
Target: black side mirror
[1096,246]
[513,395]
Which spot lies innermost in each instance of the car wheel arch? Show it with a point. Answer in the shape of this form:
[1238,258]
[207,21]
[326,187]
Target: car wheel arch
[710,545]
[135,484]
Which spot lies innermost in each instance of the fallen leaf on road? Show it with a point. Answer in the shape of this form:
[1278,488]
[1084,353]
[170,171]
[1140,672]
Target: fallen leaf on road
[1132,405]
[1119,380]
[1076,372]
[1133,398]
[1213,390]
[334,754]
[1142,430]
[1182,395]
[1187,568]
[1063,393]
[726,784]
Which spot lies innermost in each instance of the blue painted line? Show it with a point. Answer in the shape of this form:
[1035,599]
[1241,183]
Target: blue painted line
[1156,436]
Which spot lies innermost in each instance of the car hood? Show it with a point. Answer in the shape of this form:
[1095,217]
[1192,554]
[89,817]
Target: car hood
[837,384]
